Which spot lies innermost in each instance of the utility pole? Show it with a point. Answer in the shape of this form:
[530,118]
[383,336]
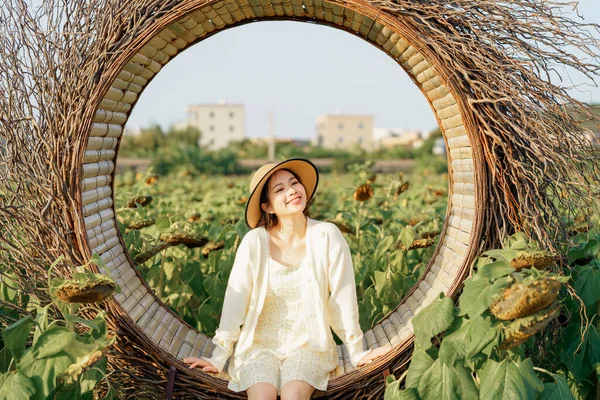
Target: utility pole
[272,138]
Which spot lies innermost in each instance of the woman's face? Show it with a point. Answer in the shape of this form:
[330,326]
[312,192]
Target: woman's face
[287,196]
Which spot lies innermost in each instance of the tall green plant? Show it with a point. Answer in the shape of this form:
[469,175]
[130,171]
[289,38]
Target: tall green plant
[480,354]
[59,358]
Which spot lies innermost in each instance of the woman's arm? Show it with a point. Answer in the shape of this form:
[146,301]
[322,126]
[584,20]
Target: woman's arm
[343,305]
[235,306]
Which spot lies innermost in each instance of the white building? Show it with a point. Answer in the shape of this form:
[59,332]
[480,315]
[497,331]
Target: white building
[385,137]
[219,124]
[339,131]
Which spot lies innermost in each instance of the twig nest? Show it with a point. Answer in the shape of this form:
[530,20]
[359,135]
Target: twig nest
[363,192]
[94,288]
[537,260]
[519,330]
[522,299]
[141,200]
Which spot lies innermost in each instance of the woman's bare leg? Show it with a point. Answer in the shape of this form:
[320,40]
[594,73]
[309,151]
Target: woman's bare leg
[262,391]
[296,390]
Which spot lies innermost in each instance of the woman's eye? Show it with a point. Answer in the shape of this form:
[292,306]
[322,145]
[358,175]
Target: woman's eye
[278,190]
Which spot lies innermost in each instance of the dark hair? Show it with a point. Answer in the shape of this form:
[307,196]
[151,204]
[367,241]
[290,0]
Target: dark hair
[269,221]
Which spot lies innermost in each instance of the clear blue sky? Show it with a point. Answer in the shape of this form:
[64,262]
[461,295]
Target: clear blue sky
[301,70]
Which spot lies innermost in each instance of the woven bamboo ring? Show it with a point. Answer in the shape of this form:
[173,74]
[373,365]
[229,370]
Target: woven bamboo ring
[141,313]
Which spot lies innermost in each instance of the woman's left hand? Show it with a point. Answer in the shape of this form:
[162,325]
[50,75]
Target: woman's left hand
[373,354]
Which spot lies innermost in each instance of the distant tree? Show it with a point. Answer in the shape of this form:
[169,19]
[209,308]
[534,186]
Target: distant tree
[395,152]
[145,144]
[246,148]
[152,138]
[189,136]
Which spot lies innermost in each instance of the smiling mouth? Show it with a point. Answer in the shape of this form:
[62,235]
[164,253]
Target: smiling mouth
[294,199]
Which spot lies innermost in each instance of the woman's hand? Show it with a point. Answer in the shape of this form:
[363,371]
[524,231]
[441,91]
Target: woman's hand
[200,362]
[373,354]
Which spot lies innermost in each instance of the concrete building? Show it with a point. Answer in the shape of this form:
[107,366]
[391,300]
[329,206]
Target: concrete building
[219,123]
[385,137]
[338,131]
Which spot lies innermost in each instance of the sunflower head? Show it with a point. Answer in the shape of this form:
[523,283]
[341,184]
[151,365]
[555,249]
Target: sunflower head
[85,288]
[363,192]
[151,180]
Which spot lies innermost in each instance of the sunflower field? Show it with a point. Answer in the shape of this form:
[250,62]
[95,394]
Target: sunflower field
[182,232]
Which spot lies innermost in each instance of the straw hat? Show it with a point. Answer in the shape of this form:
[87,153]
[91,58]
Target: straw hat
[305,170]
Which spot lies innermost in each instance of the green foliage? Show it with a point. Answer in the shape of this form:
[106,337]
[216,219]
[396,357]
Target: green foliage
[180,157]
[471,362]
[15,336]
[573,352]
[146,144]
[587,283]
[15,385]
[447,382]
[478,295]
[188,136]
[433,320]
[59,362]
[509,379]
[568,354]
[470,341]
[192,281]
[581,350]
[557,390]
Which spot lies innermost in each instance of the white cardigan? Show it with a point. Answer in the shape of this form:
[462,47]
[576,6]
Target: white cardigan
[329,294]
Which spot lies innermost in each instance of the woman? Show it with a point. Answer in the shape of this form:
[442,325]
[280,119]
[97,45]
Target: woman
[292,280]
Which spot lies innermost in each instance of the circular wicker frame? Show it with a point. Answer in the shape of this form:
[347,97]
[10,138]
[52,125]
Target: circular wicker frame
[193,21]
[519,145]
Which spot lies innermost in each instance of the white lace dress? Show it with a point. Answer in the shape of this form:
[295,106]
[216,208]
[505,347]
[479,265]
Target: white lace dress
[280,352]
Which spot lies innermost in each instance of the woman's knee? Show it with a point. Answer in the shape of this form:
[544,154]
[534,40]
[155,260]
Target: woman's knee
[296,390]
[262,391]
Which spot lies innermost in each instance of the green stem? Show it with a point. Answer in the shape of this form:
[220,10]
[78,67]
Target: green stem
[357,213]
[401,378]
[545,371]
[73,308]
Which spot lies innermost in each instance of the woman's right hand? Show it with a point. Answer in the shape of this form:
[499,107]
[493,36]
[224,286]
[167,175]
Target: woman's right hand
[200,362]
